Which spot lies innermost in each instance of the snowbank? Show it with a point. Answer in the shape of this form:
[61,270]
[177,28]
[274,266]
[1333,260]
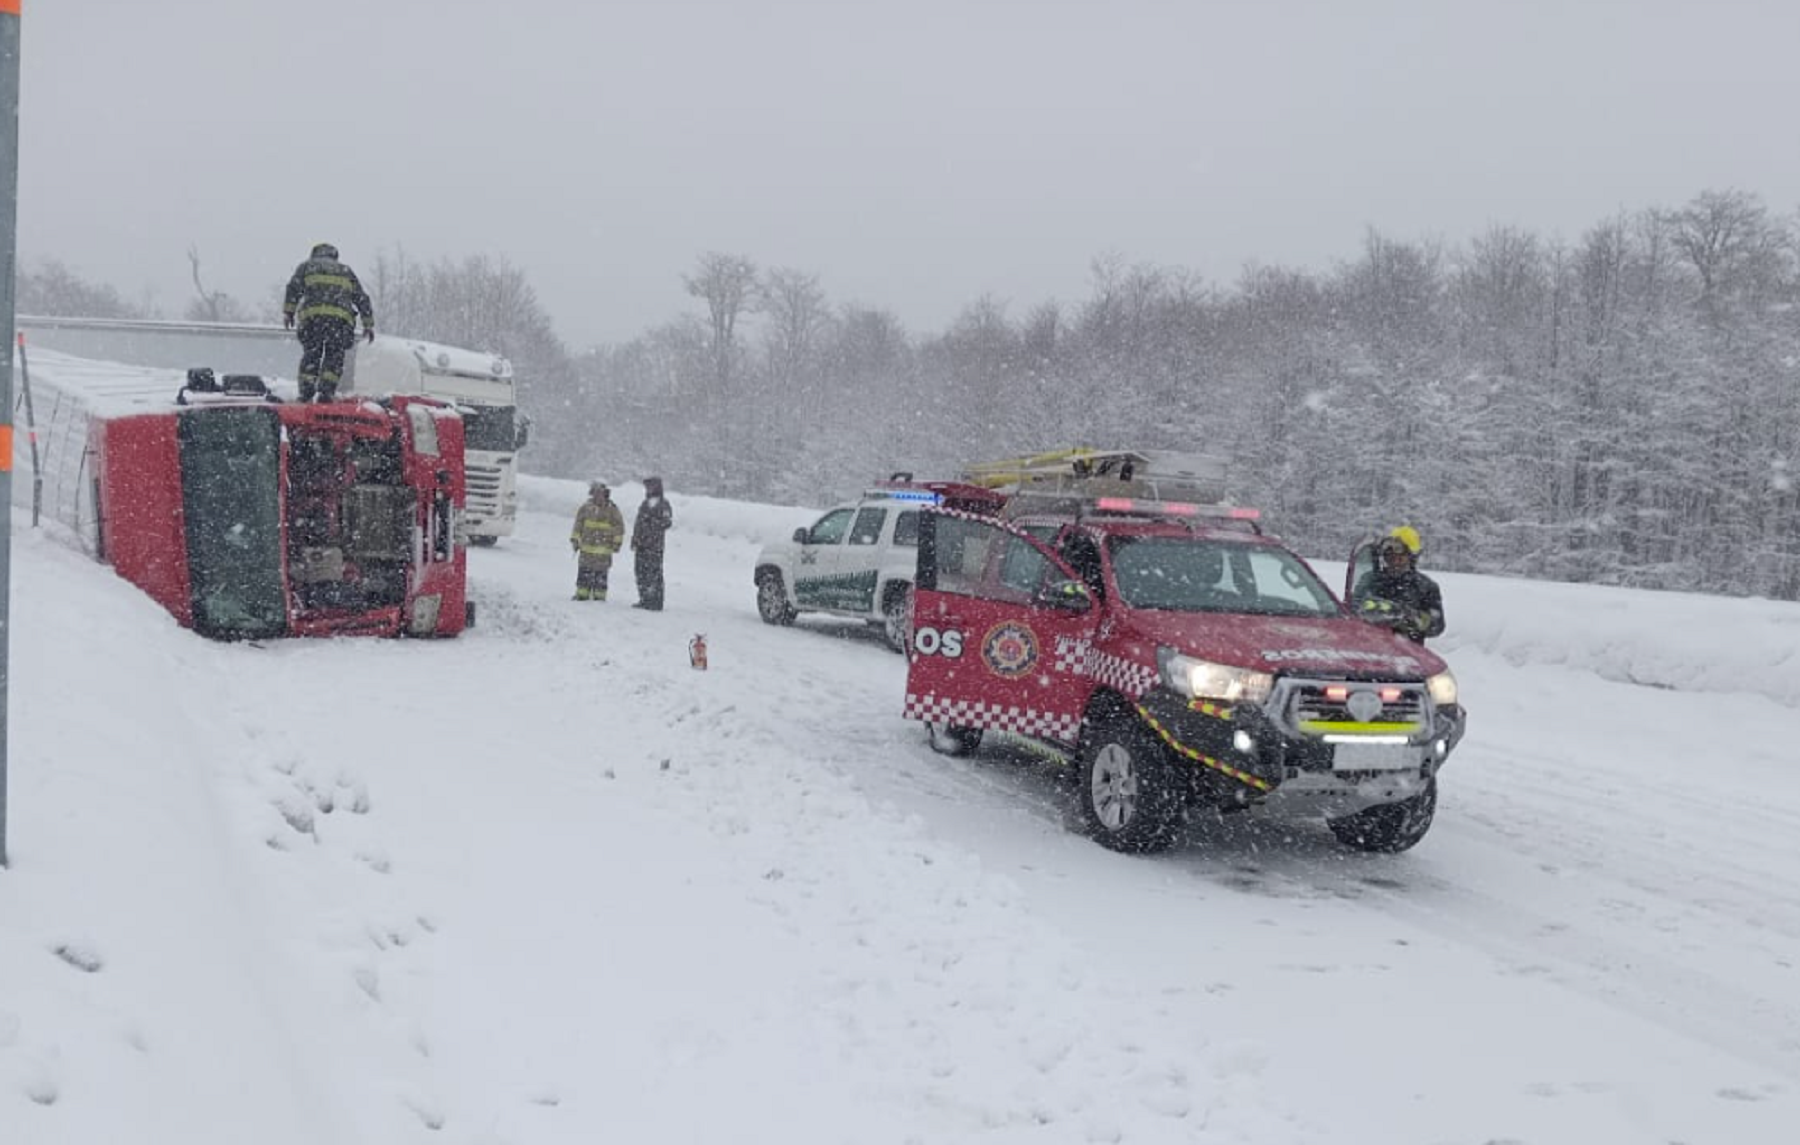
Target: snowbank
[1671,640]
[708,516]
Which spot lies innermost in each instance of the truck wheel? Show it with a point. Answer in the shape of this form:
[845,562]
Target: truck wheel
[896,617]
[482,541]
[771,599]
[1391,827]
[949,739]
[1129,799]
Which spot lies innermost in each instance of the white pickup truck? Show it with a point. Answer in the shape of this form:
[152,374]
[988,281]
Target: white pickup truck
[858,560]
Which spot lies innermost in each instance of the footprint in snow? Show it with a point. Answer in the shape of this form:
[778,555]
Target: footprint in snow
[429,1115]
[297,815]
[80,955]
[368,981]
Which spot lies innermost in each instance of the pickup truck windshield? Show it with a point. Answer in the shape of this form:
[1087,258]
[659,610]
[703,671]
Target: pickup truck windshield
[1195,574]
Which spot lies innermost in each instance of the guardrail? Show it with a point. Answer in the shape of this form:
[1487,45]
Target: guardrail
[227,347]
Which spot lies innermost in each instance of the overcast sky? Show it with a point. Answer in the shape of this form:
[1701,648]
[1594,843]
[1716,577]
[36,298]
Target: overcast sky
[916,154]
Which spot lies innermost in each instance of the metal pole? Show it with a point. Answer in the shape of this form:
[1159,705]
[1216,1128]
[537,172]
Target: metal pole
[9,223]
[37,468]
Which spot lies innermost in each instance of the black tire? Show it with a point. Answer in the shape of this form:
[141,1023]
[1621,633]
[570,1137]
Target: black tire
[468,614]
[1390,828]
[771,599]
[896,617]
[949,739]
[1129,798]
[482,541]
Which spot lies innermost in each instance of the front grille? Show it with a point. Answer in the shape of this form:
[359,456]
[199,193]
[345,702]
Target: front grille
[1316,707]
[482,483]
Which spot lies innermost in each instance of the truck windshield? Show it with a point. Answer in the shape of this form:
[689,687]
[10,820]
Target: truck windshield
[487,428]
[1195,574]
[230,480]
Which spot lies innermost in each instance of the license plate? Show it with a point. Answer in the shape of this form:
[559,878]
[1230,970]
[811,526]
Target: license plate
[1373,757]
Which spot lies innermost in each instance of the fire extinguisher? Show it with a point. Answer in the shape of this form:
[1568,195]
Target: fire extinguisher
[697,651]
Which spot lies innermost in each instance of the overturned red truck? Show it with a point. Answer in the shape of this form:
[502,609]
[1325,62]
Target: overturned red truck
[248,518]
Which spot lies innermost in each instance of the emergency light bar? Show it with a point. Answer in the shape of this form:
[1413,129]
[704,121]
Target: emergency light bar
[1140,506]
[922,496]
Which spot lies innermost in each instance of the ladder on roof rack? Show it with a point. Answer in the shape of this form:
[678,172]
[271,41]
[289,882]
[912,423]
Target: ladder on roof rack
[1085,473]
[1016,470]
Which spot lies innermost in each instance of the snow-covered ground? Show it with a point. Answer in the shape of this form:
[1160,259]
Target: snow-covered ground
[547,883]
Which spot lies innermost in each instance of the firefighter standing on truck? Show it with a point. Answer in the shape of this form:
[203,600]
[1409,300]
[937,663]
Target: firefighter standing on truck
[599,532]
[1395,594]
[326,298]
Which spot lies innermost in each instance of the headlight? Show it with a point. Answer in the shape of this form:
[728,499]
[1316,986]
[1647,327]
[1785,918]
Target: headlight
[1204,680]
[1442,689]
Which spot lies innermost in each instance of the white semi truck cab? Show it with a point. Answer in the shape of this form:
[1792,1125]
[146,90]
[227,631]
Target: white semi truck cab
[482,388]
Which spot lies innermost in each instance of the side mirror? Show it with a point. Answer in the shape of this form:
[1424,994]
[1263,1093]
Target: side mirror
[1064,596]
[802,536]
[522,435]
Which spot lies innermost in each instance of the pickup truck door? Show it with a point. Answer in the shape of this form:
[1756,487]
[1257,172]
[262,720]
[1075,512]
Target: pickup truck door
[860,561]
[1001,631]
[817,559]
[1362,563]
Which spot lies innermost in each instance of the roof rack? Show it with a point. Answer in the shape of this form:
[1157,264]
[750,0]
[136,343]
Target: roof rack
[901,486]
[1083,474]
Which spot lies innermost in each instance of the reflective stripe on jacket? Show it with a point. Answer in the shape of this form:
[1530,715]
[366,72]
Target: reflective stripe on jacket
[326,288]
[599,531]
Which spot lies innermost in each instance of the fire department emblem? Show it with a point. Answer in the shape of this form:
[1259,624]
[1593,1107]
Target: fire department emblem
[1009,649]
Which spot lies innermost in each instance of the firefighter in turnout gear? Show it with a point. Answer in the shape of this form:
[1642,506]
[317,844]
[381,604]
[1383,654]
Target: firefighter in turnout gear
[1395,593]
[326,298]
[599,532]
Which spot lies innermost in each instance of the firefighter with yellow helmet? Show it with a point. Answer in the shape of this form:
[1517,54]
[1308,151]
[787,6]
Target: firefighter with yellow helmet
[326,298]
[1395,593]
[599,532]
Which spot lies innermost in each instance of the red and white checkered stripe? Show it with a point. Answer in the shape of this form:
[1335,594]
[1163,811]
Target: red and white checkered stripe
[1005,717]
[1072,654]
[1127,676]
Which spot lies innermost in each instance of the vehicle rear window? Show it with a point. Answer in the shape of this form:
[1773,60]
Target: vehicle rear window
[867,529]
[906,529]
[1197,574]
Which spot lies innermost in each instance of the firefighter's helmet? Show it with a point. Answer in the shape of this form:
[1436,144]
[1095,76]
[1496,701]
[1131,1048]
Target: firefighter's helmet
[598,489]
[324,250]
[1408,538]
[1399,547]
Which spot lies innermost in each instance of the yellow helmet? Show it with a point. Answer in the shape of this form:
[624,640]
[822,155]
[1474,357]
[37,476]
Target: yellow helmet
[1408,536]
